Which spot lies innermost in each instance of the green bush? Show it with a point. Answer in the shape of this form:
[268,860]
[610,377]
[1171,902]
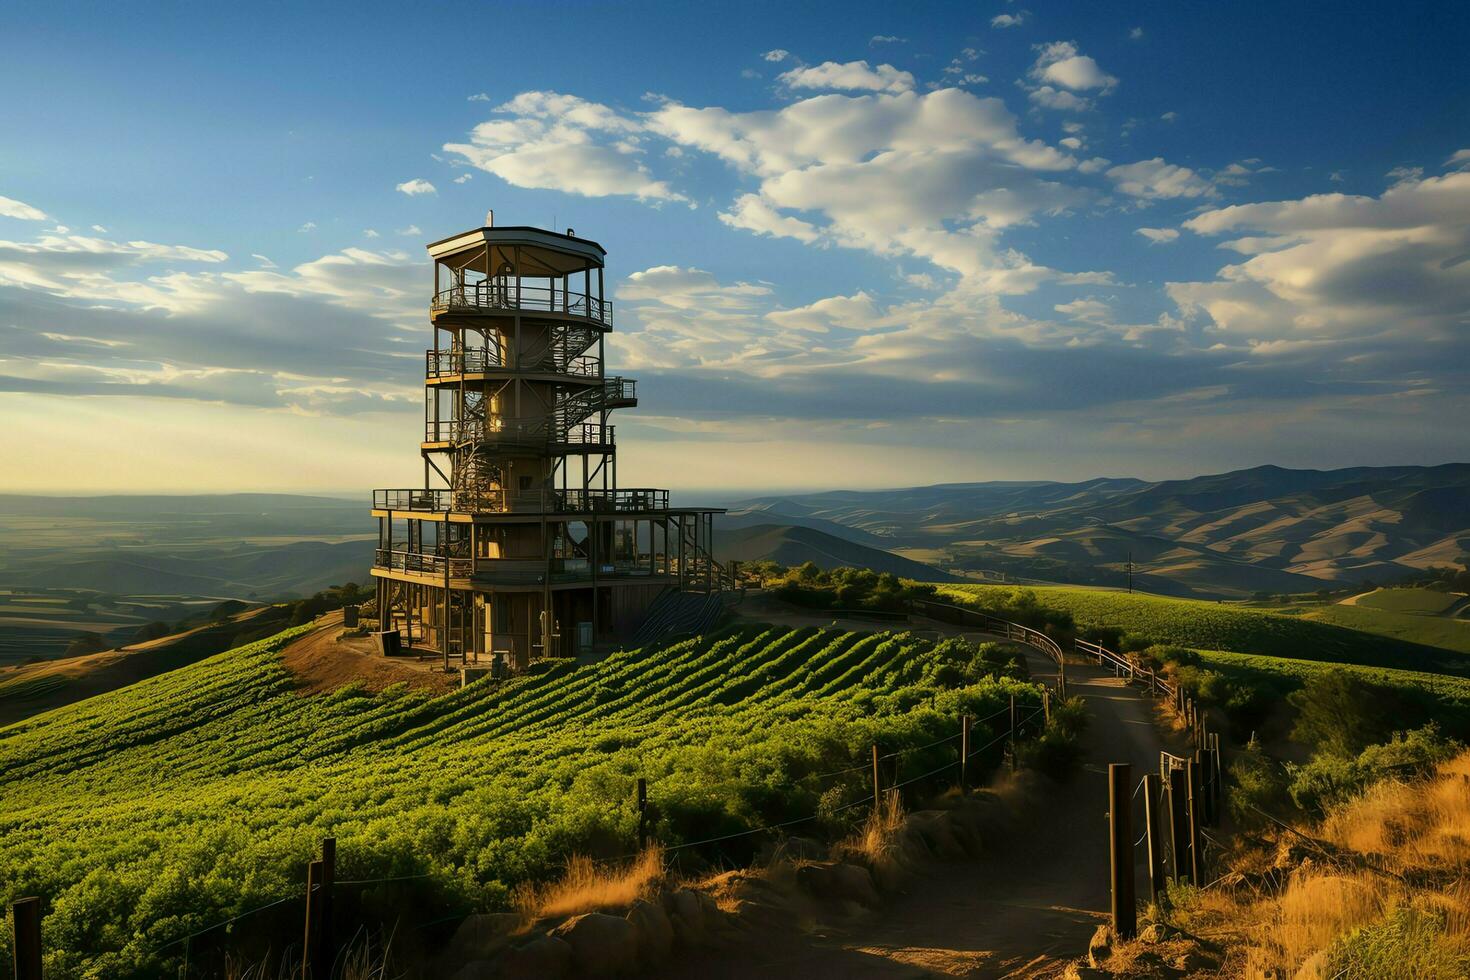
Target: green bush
[1409,943]
[1059,748]
[1332,778]
[1337,713]
[1258,783]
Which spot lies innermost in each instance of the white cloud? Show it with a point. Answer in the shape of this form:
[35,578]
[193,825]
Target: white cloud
[1060,63]
[550,140]
[1158,236]
[1169,116]
[479,97]
[99,229]
[265,262]
[1055,98]
[1136,34]
[887,39]
[463,178]
[307,227]
[1331,266]
[415,186]
[11,208]
[370,233]
[411,230]
[1460,158]
[753,214]
[849,76]
[1155,179]
[1008,20]
[936,176]
[776,54]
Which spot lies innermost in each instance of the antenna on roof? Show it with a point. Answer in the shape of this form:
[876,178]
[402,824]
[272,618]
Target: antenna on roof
[490,218]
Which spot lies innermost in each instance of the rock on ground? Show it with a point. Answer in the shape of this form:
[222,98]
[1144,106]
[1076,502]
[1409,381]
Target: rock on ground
[601,943]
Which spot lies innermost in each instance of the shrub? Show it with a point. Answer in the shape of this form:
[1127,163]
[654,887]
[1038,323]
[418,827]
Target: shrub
[1330,778]
[1059,748]
[1411,941]
[1338,714]
[85,643]
[1259,784]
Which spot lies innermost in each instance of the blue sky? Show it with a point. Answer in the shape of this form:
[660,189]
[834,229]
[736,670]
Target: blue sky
[851,245]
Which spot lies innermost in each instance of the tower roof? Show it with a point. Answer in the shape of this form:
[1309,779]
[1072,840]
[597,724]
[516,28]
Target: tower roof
[540,251]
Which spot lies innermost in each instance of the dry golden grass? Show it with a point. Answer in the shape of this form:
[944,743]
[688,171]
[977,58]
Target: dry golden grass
[876,841]
[1411,825]
[1403,846]
[591,887]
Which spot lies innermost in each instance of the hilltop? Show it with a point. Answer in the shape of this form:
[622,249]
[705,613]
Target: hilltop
[795,544]
[1265,529]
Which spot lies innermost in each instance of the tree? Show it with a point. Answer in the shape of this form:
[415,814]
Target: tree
[1338,714]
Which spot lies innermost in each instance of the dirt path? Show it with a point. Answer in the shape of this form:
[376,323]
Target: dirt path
[1024,910]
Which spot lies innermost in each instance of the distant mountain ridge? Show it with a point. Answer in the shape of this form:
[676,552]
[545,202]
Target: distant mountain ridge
[1267,528]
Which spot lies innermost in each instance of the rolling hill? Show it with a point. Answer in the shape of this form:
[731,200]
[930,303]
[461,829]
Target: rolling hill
[149,812]
[795,545]
[1263,529]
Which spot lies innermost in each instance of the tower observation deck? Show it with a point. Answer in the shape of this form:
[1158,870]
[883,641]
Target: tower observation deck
[520,544]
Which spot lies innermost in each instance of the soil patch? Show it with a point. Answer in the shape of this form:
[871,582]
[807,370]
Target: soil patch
[322,662]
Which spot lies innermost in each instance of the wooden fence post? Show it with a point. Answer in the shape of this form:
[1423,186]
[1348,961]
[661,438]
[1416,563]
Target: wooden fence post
[1191,781]
[326,950]
[26,917]
[642,813]
[1013,733]
[1178,825]
[1218,775]
[877,783]
[964,755]
[1125,914]
[1151,817]
[313,920]
[1207,783]
[1046,706]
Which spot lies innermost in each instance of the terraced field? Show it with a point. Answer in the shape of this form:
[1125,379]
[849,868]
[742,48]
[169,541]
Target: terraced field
[1207,625]
[146,813]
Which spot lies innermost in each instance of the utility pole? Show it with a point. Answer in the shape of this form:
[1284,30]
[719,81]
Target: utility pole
[1130,571]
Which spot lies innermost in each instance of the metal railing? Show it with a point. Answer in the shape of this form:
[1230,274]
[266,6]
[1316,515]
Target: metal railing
[947,612]
[479,360]
[505,294]
[1122,666]
[619,390]
[431,564]
[629,500]
[530,435]
[585,434]
[427,500]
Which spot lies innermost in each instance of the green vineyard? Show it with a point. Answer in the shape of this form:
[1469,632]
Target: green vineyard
[145,814]
[1214,626]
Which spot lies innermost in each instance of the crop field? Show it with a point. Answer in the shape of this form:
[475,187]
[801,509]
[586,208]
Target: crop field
[1206,625]
[1412,615]
[1448,697]
[1425,602]
[147,813]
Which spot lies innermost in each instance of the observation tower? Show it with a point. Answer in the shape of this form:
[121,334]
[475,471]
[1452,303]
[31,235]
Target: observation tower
[521,545]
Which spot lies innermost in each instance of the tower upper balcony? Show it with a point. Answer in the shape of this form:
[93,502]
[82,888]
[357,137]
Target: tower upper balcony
[520,269]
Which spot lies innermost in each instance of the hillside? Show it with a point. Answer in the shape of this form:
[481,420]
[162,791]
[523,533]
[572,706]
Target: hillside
[29,689]
[794,545]
[149,812]
[1231,628]
[1263,529]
